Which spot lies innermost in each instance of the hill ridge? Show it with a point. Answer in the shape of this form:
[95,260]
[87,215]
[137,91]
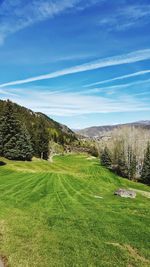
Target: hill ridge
[96,131]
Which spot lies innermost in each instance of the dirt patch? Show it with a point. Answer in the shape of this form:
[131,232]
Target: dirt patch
[3,261]
[3,230]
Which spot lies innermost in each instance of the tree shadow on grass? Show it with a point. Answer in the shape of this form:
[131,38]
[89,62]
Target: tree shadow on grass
[2,163]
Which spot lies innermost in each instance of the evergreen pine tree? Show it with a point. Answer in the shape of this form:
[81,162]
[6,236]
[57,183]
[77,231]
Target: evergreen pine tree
[1,139]
[15,139]
[24,144]
[122,168]
[42,140]
[145,176]
[106,158]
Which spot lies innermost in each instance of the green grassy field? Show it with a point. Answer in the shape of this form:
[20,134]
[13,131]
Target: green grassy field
[49,215]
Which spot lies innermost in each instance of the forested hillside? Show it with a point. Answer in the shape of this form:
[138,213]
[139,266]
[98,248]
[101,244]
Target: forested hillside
[30,118]
[40,129]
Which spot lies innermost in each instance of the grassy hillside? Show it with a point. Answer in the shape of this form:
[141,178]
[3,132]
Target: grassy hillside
[51,215]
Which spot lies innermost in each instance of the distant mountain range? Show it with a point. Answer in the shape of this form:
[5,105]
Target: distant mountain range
[99,131]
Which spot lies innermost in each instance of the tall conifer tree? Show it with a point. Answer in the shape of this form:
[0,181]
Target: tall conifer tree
[106,158]
[122,168]
[1,139]
[42,140]
[145,176]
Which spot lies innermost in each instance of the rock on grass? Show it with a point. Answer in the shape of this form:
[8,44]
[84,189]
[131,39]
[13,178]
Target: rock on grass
[125,193]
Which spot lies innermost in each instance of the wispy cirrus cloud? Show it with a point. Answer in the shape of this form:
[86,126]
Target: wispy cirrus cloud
[8,93]
[132,57]
[112,89]
[17,14]
[66,104]
[126,17]
[135,74]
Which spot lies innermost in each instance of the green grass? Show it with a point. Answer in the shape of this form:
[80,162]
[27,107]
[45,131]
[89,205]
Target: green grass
[50,217]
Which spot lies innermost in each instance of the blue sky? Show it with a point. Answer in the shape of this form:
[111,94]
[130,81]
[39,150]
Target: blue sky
[81,62]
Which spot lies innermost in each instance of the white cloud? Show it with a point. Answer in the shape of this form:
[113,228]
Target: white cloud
[8,93]
[69,104]
[17,14]
[135,74]
[132,57]
[126,17]
[112,89]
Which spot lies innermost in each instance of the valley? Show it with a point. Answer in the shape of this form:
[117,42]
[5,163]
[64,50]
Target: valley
[74,133]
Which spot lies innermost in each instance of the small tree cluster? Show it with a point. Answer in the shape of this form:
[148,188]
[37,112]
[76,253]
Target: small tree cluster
[124,165]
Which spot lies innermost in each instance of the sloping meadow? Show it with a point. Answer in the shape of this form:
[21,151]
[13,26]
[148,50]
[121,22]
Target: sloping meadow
[65,213]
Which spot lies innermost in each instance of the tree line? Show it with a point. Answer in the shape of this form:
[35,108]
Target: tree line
[127,166]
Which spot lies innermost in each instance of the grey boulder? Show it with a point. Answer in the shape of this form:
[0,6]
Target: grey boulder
[125,193]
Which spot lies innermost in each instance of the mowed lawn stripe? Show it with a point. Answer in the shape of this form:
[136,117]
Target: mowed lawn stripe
[49,215]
